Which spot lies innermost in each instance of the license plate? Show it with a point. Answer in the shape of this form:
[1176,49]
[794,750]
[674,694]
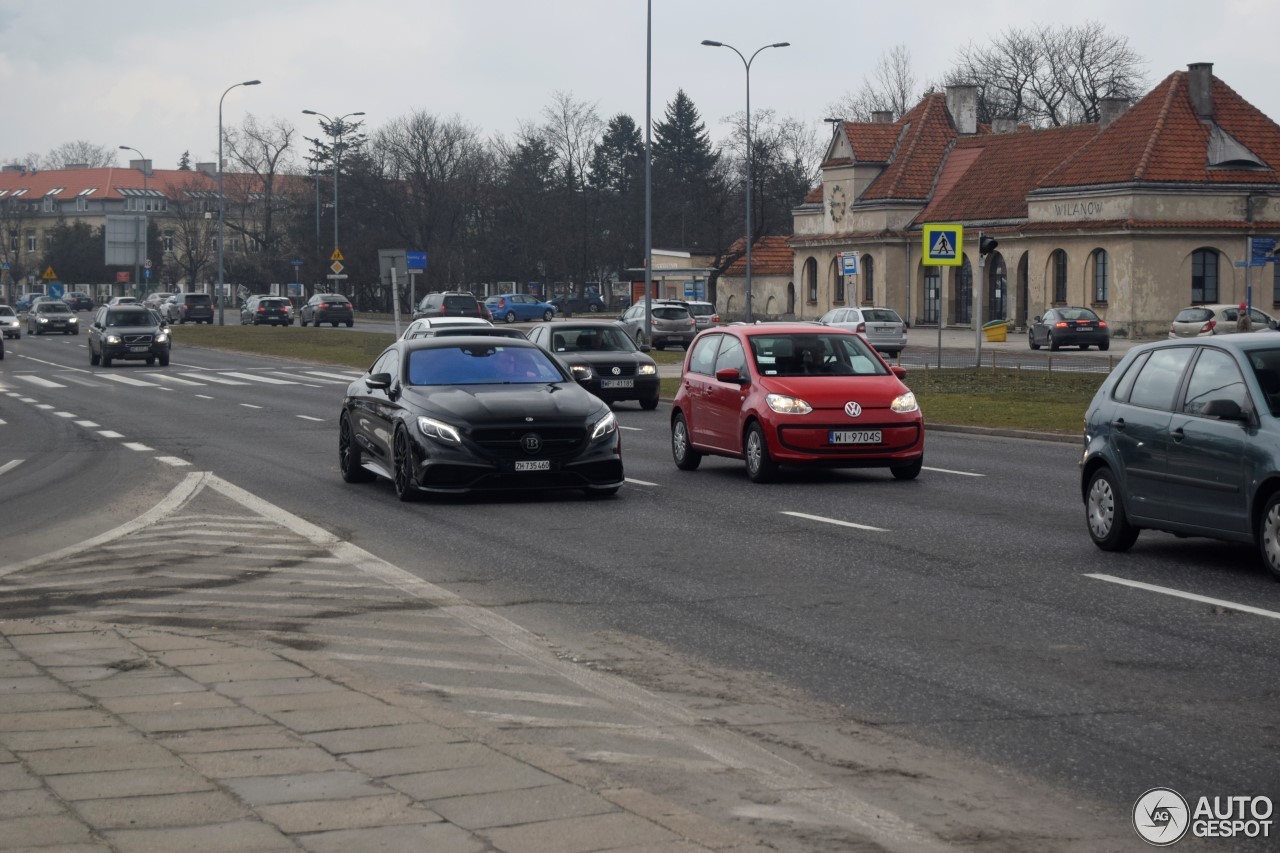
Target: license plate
[854,436]
[617,383]
[1084,328]
[884,328]
[534,465]
[139,349]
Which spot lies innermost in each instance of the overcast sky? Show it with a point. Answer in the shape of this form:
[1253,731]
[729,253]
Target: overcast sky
[149,74]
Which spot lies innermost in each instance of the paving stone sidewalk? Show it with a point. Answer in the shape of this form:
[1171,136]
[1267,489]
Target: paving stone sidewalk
[127,739]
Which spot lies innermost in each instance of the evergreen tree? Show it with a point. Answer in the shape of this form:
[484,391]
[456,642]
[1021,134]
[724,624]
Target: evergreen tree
[684,173]
[617,179]
[184,163]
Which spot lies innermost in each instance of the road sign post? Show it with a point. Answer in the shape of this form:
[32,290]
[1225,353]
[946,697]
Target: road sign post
[943,247]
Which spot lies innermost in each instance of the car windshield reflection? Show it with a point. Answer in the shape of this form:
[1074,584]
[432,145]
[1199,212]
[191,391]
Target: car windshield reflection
[814,355]
[481,365]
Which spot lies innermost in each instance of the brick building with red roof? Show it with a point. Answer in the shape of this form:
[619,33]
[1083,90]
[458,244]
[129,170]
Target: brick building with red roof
[1137,216]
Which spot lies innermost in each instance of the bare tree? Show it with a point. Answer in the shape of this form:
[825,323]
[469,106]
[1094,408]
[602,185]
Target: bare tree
[573,129]
[192,209]
[892,86]
[263,154]
[17,215]
[80,151]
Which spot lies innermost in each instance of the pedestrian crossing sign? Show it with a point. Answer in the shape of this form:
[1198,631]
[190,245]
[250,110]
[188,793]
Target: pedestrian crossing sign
[943,245]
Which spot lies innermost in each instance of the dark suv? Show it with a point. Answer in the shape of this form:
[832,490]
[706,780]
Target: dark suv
[454,303]
[195,307]
[272,310]
[127,332]
[78,301]
[332,308]
[672,323]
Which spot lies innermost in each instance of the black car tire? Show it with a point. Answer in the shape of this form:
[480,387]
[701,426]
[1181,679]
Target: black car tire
[106,360]
[350,459]
[686,458]
[334,324]
[302,321]
[1054,346]
[755,449]
[350,323]
[164,360]
[402,464]
[1269,535]
[94,358]
[547,315]
[1031,339]
[151,362]
[650,403]
[907,472]
[1109,527]
[1083,347]
[510,317]
[1104,346]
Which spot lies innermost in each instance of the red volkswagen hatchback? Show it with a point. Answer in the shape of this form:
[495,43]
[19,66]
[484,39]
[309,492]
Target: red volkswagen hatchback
[794,394]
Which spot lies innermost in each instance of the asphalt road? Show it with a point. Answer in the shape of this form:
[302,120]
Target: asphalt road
[962,614]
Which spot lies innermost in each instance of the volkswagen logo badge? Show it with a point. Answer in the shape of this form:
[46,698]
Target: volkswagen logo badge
[531,442]
[617,371]
[852,409]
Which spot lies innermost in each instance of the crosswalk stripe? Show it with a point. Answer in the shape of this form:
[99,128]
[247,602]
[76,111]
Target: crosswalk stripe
[133,445]
[267,379]
[127,380]
[209,377]
[41,381]
[9,466]
[172,460]
[88,383]
[313,381]
[343,376]
[164,377]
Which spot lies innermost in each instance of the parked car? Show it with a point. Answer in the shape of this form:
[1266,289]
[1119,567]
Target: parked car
[489,331]
[882,327]
[123,300]
[451,303]
[794,394]
[510,307]
[603,358]
[78,300]
[671,323]
[24,301]
[127,332]
[271,310]
[51,315]
[331,308]
[427,326]
[457,414]
[1184,436]
[1201,320]
[1069,327]
[194,308]
[568,304]
[10,325]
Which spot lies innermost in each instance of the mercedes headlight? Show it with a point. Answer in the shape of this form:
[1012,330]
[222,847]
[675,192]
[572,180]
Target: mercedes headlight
[784,405]
[113,339]
[603,427]
[647,369]
[439,430]
[580,371]
[904,403]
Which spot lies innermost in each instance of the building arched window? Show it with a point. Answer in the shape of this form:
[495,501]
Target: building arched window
[791,297]
[997,287]
[837,283]
[811,280]
[964,292]
[1204,276]
[1059,267]
[1101,272]
[868,279]
[932,295]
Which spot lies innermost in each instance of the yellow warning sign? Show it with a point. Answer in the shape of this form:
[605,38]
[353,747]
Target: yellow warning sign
[49,275]
[337,255]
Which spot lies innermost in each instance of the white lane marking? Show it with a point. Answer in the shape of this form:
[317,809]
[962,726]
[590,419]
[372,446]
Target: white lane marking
[172,460]
[133,445]
[343,376]
[63,415]
[26,399]
[309,418]
[1190,596]
[128,380]
[267,379]
[949,471]
[3,422]
[106,433]
[167,378]
[87,424]
[825,520]
[218,379]
[633,429]
[85,382]
[44,406]
[310,381]
[41,381]
[639,482]
[250,406]
[204,396]
[9,466]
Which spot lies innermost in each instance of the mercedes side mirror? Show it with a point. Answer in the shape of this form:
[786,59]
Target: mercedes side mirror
[378,380]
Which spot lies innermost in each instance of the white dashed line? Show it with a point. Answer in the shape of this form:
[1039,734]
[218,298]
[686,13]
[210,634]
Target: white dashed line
[65,415]
[44,406]
[204,396]
[87,424]
[835,521]
[633,429]
[133,445]
[164,377]
[127,380]
[3,422]
[217,379]
[267,379]
[949,471]
[343,376]
[1190,596]
[9,466]
[106,433]
[42,382]
[250,406]
[640,482]
[173,460]
[309,418]
[26,399]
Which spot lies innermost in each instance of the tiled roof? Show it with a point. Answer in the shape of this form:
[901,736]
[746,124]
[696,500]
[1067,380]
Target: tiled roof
[769,256]
[1162,140]
[106,183]
[988,177]
[814,196]
[926,134]
[872,142]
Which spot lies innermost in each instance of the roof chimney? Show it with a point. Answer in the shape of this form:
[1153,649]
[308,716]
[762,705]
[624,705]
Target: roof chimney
[1004,124]
[882,117]
[1200,83]
[210,169]
[962,103]
[1110,109]
[14,167]
[143,166]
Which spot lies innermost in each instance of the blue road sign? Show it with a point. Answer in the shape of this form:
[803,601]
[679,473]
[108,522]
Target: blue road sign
[56,290]
[296,263]
[1261,249]
[849,263]
[415,260]
[146,274]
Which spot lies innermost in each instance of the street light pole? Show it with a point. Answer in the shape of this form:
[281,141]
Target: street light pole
[335,128]
[138,253]
[750,154]
[222,300]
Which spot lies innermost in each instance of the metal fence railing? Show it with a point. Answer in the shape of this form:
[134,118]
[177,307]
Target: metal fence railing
[1033,362]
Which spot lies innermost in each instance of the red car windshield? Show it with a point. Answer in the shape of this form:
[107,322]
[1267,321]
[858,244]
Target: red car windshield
[814,355]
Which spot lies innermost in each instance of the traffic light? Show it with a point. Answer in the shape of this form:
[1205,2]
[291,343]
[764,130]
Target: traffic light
[986,245]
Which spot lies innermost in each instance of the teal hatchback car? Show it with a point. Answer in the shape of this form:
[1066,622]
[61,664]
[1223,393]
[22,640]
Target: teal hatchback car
[1184,436]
